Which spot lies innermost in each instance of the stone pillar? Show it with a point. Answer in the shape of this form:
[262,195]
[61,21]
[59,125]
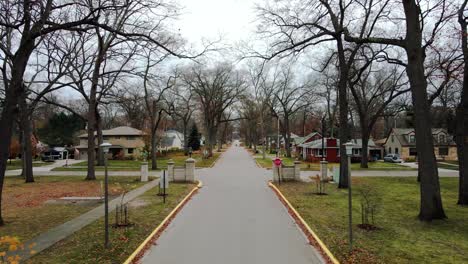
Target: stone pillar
[170,170]
[297,170]
[190,170]
[275,170]
[144,172]
[323,170]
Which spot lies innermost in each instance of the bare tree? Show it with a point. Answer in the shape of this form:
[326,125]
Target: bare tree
[217,89]
[184,107]
[293,27]
[462,113]
[287,97]
[129,100]
[373,90]
[423,23]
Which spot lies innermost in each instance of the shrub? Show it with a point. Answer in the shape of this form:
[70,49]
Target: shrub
[371,201]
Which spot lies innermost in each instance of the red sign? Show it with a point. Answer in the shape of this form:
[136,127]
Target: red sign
[277,162]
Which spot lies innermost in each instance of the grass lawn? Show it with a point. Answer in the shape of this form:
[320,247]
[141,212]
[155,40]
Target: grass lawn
[378,165]
[27,213]
[135,165]
[86,245]
[401,237]
[18,164]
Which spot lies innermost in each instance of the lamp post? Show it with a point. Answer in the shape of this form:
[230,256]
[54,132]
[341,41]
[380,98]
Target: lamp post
[105,149]
[278,143]
[349,152]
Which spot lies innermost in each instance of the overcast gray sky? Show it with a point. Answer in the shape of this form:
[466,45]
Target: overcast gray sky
[232,19]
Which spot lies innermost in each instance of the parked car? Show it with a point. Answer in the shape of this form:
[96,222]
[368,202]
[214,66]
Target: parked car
[395,158]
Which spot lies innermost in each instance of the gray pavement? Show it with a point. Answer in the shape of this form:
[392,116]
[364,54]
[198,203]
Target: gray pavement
[234,219]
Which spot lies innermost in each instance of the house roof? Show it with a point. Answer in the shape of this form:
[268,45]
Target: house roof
[401,135]
[317,144]
[300,140]
[118,131]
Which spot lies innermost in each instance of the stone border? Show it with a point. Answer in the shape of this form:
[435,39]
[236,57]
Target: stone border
[314,240]
[151,239]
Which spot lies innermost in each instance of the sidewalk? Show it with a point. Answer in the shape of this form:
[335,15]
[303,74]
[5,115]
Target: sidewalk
[54,235]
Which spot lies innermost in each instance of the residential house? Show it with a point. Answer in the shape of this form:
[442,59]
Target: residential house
[402,141]
[172,139]
[305,139]
[312,150]
[126,141]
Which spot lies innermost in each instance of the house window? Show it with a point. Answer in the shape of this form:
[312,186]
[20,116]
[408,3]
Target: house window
[413,152]
[130,151]
[389,150]
[396,151]
[412,138]
[443,151]
[129,138]
[442,138]
[356,151]
[393,138]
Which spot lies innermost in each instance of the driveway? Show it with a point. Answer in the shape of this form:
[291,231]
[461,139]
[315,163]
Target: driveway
[234,219]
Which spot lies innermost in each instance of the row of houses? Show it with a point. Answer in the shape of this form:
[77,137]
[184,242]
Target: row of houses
[401,141]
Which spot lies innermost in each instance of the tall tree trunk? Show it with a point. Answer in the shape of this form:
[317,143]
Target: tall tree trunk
[343,114]
[186,150]
[91,140]
[365,134]
[431,201]
[462,117]
[26,131]
[365,149]
[287,136]
[100,139]
[154,162]
[9,111]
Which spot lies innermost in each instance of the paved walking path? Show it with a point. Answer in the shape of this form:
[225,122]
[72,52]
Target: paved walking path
[234,219]
[54,235]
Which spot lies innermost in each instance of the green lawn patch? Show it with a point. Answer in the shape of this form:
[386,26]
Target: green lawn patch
[315,166]
[28,212]
[87,245]
[134,165]
[401,237]
[18,164]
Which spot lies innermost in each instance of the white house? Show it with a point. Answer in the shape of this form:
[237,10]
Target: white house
[172,139]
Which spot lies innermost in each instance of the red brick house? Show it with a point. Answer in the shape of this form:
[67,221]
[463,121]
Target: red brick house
[312,151]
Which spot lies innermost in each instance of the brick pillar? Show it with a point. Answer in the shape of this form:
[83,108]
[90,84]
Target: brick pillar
[190,170]
[297,170]
[170,170]
[323,170]
[144,172]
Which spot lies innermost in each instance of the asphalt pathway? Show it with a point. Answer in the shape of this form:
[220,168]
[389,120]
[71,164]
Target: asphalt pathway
[235,218]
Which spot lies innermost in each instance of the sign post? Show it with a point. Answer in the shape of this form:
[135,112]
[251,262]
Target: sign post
[163,185]
[278,163]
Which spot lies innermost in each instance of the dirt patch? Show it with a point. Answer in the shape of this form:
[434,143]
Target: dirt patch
[35,194]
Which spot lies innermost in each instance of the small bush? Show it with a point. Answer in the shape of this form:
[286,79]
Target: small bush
[371,201]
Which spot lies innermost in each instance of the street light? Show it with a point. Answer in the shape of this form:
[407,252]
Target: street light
[105,149]
[349,151]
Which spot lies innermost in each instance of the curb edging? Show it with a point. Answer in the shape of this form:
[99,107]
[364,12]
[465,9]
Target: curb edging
[149,241]
[310,234]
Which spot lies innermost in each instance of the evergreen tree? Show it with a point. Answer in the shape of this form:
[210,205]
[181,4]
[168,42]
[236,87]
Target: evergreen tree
[194,138]
[60,129]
